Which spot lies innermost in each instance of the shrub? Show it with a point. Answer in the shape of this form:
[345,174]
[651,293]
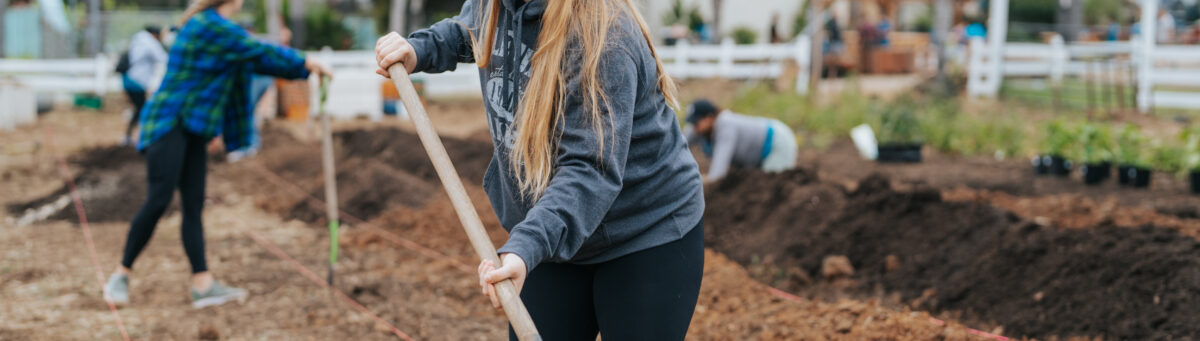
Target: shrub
[744,35]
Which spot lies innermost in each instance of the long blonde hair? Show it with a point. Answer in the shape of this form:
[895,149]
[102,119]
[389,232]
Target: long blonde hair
[541,108]
[198,6]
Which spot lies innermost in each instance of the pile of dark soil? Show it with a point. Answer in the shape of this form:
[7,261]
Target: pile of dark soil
[366,188]
[111,181]
[403,151]
[965,258]
[377,170]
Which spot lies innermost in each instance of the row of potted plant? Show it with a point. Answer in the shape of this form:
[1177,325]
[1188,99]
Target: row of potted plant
[1095,149]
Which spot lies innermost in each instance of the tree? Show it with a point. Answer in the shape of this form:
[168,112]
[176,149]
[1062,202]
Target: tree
[943,14]
[716,23]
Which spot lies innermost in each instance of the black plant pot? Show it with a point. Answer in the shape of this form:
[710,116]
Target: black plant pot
[1039,167]
[1123,174]
[1138,176]
[899,152]
[1051,164]
[1194,176]
[1094,173]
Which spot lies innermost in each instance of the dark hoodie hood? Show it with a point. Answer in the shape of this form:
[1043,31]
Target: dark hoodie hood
[533,9]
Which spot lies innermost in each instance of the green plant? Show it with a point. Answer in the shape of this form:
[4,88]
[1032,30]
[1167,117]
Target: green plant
[800,21]
[1093,144]
[1190,138]
[1131,145]
[1096,11]
[897,122]
[942,124]
[924,22]
[1058,138]
[675,15]
[1166,157]
[325,28]
[744,35]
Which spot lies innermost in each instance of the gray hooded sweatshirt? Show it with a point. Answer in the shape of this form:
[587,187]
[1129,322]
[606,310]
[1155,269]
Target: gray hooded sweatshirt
[641,191]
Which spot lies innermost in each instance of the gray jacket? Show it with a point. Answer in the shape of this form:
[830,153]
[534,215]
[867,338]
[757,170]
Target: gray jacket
[644,190]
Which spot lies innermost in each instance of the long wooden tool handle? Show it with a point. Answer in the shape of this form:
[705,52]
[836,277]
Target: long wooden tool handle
[331,200]
[509,298]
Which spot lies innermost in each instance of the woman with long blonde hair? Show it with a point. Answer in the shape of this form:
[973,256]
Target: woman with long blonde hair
[590,172]
[203,94]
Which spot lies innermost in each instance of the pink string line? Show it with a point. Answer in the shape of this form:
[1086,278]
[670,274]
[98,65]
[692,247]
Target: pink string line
[83,224]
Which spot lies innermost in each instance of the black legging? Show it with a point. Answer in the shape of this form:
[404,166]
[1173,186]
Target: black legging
[137,97]
[177,160]
[646,295]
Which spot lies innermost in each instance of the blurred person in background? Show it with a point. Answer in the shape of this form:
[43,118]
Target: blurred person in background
[259,84]
[138,68]
[731,139]
[203,95]
[1166,27]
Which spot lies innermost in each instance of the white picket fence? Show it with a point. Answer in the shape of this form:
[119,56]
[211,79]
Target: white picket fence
[356,89]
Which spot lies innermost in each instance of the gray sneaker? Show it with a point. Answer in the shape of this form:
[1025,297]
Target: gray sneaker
[117,289]
[217,294]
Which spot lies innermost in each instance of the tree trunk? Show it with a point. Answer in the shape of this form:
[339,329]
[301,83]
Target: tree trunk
[943,15]
[94,36]
[1070,19]
[3,7]
[299,26]
[396,18]
[817,67]
[416,12]
[716,22]
[273,18]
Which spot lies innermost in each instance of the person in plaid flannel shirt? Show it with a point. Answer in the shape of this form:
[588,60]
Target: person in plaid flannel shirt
[204,94]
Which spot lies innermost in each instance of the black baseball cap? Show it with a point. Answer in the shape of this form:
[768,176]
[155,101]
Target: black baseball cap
[700,109]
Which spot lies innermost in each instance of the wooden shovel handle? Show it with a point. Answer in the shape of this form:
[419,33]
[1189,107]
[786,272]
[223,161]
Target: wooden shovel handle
[509,297]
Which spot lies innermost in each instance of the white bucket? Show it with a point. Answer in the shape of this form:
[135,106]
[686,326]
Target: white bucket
[18,105]
[864,140]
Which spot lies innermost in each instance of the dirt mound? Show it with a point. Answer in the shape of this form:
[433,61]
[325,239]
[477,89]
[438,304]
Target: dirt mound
[377,170]
[1073,211]
[111,182]
[366,188]
[732,307]
[961,257]
[403,151]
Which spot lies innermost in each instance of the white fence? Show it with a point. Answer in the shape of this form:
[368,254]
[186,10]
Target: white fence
[685,61]
[356,89]
[63,75]
[1170,65]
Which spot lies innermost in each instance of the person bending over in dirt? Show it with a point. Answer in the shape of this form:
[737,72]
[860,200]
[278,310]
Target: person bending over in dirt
[733,139]
[590,173]
[202,95]
[138,67]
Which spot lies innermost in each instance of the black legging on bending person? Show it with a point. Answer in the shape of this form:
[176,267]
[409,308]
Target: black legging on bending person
[137,97]
[646,295]
[177,160]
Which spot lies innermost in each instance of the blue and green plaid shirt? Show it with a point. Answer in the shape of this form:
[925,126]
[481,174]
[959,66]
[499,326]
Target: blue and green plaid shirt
[208,74]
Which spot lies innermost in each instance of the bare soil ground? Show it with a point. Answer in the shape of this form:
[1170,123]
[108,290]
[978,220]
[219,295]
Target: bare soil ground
[50,292]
